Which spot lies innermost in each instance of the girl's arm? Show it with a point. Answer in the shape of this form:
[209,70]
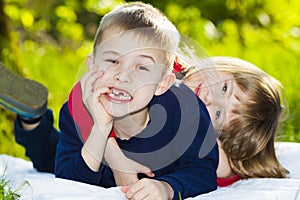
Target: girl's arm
[224,170]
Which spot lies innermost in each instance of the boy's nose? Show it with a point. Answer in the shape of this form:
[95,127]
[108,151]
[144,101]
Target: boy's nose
[122,76]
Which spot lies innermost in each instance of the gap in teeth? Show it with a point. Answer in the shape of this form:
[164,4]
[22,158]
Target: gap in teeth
[116,92]
[118,96]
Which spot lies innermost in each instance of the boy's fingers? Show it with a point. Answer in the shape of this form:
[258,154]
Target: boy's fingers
[89,61]
[98,80]
[145,170]
[149,174]
[89,79]
[124,189]
[134,189]
[101,90]
[87,75]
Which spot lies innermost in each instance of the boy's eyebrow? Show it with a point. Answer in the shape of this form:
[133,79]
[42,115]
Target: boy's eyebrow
[110,52]
[148,57]
[142,55]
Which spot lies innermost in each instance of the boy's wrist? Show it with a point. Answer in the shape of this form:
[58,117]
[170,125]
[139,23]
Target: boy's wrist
[105,130]
[90,159]
[169,189]
[94,147]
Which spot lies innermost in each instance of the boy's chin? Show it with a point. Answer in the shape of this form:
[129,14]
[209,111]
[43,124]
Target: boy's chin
[122,111]
[117,113]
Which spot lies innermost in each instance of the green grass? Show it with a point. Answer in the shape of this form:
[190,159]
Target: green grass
[6,193]
[54,67]
[58,72]
[58,67]
[179,194]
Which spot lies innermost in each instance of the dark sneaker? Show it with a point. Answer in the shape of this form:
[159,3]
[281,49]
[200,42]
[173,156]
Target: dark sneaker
[25,97]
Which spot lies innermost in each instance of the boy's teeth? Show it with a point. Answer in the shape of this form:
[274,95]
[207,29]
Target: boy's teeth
[119,95]
[115,92]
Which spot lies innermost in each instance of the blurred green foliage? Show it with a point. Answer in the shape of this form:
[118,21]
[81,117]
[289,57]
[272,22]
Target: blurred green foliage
[48,42]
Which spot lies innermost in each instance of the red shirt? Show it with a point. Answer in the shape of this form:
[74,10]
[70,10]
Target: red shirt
[223,182]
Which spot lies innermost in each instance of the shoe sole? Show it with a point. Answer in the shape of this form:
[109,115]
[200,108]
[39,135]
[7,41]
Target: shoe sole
[26,97]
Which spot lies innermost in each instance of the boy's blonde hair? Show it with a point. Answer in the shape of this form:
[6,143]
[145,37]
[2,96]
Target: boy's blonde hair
[145,20]
[249,139]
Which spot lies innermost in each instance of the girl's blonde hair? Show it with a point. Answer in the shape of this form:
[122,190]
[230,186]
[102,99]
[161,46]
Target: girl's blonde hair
[250,136]
[144,20]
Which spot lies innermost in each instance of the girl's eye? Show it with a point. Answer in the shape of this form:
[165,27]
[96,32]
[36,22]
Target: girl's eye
[218,113]
[143,68]
[224,89]
[112,61]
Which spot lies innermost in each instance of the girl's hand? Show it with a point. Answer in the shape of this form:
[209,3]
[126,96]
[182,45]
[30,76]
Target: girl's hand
[148,189]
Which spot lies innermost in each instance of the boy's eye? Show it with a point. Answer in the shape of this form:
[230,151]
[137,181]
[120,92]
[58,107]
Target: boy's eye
[218,113]
[112,61]
[143,68]
[224,89]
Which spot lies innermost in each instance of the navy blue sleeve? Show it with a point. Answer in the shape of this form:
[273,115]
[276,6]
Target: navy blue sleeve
[195,170]
[40,143]
[69,163]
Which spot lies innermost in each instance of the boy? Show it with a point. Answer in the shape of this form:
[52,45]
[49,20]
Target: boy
[118,98]
[133,45]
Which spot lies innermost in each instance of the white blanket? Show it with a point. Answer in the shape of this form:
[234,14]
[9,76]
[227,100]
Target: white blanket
[31,184]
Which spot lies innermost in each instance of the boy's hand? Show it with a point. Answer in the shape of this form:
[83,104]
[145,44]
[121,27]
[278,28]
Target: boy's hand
[91,94]
[148,189]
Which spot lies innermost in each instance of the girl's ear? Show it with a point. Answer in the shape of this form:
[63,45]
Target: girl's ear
[90,61]
[165,84]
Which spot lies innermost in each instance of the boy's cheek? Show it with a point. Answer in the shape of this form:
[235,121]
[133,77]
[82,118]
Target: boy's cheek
[98,62]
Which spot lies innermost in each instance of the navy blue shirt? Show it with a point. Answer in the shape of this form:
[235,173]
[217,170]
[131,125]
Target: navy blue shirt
[178,145]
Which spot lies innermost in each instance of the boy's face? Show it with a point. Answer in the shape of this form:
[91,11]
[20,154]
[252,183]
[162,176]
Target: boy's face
[133,71]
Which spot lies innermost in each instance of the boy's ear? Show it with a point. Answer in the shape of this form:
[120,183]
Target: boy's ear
[90,61]
[165,84]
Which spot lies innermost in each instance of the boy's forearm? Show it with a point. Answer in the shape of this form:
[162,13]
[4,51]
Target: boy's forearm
[69,163]
[94,148]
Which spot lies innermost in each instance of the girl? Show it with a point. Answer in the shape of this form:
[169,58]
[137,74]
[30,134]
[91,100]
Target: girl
[246,120]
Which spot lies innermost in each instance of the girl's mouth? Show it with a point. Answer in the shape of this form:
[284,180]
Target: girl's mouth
[198,89]
[118,95]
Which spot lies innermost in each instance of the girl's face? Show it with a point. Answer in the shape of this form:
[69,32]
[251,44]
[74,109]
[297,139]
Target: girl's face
[218,92]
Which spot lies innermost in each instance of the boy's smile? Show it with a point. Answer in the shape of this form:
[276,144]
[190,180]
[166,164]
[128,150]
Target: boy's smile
[118,96]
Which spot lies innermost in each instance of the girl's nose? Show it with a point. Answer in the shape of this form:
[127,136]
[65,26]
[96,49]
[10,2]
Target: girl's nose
[206,96]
